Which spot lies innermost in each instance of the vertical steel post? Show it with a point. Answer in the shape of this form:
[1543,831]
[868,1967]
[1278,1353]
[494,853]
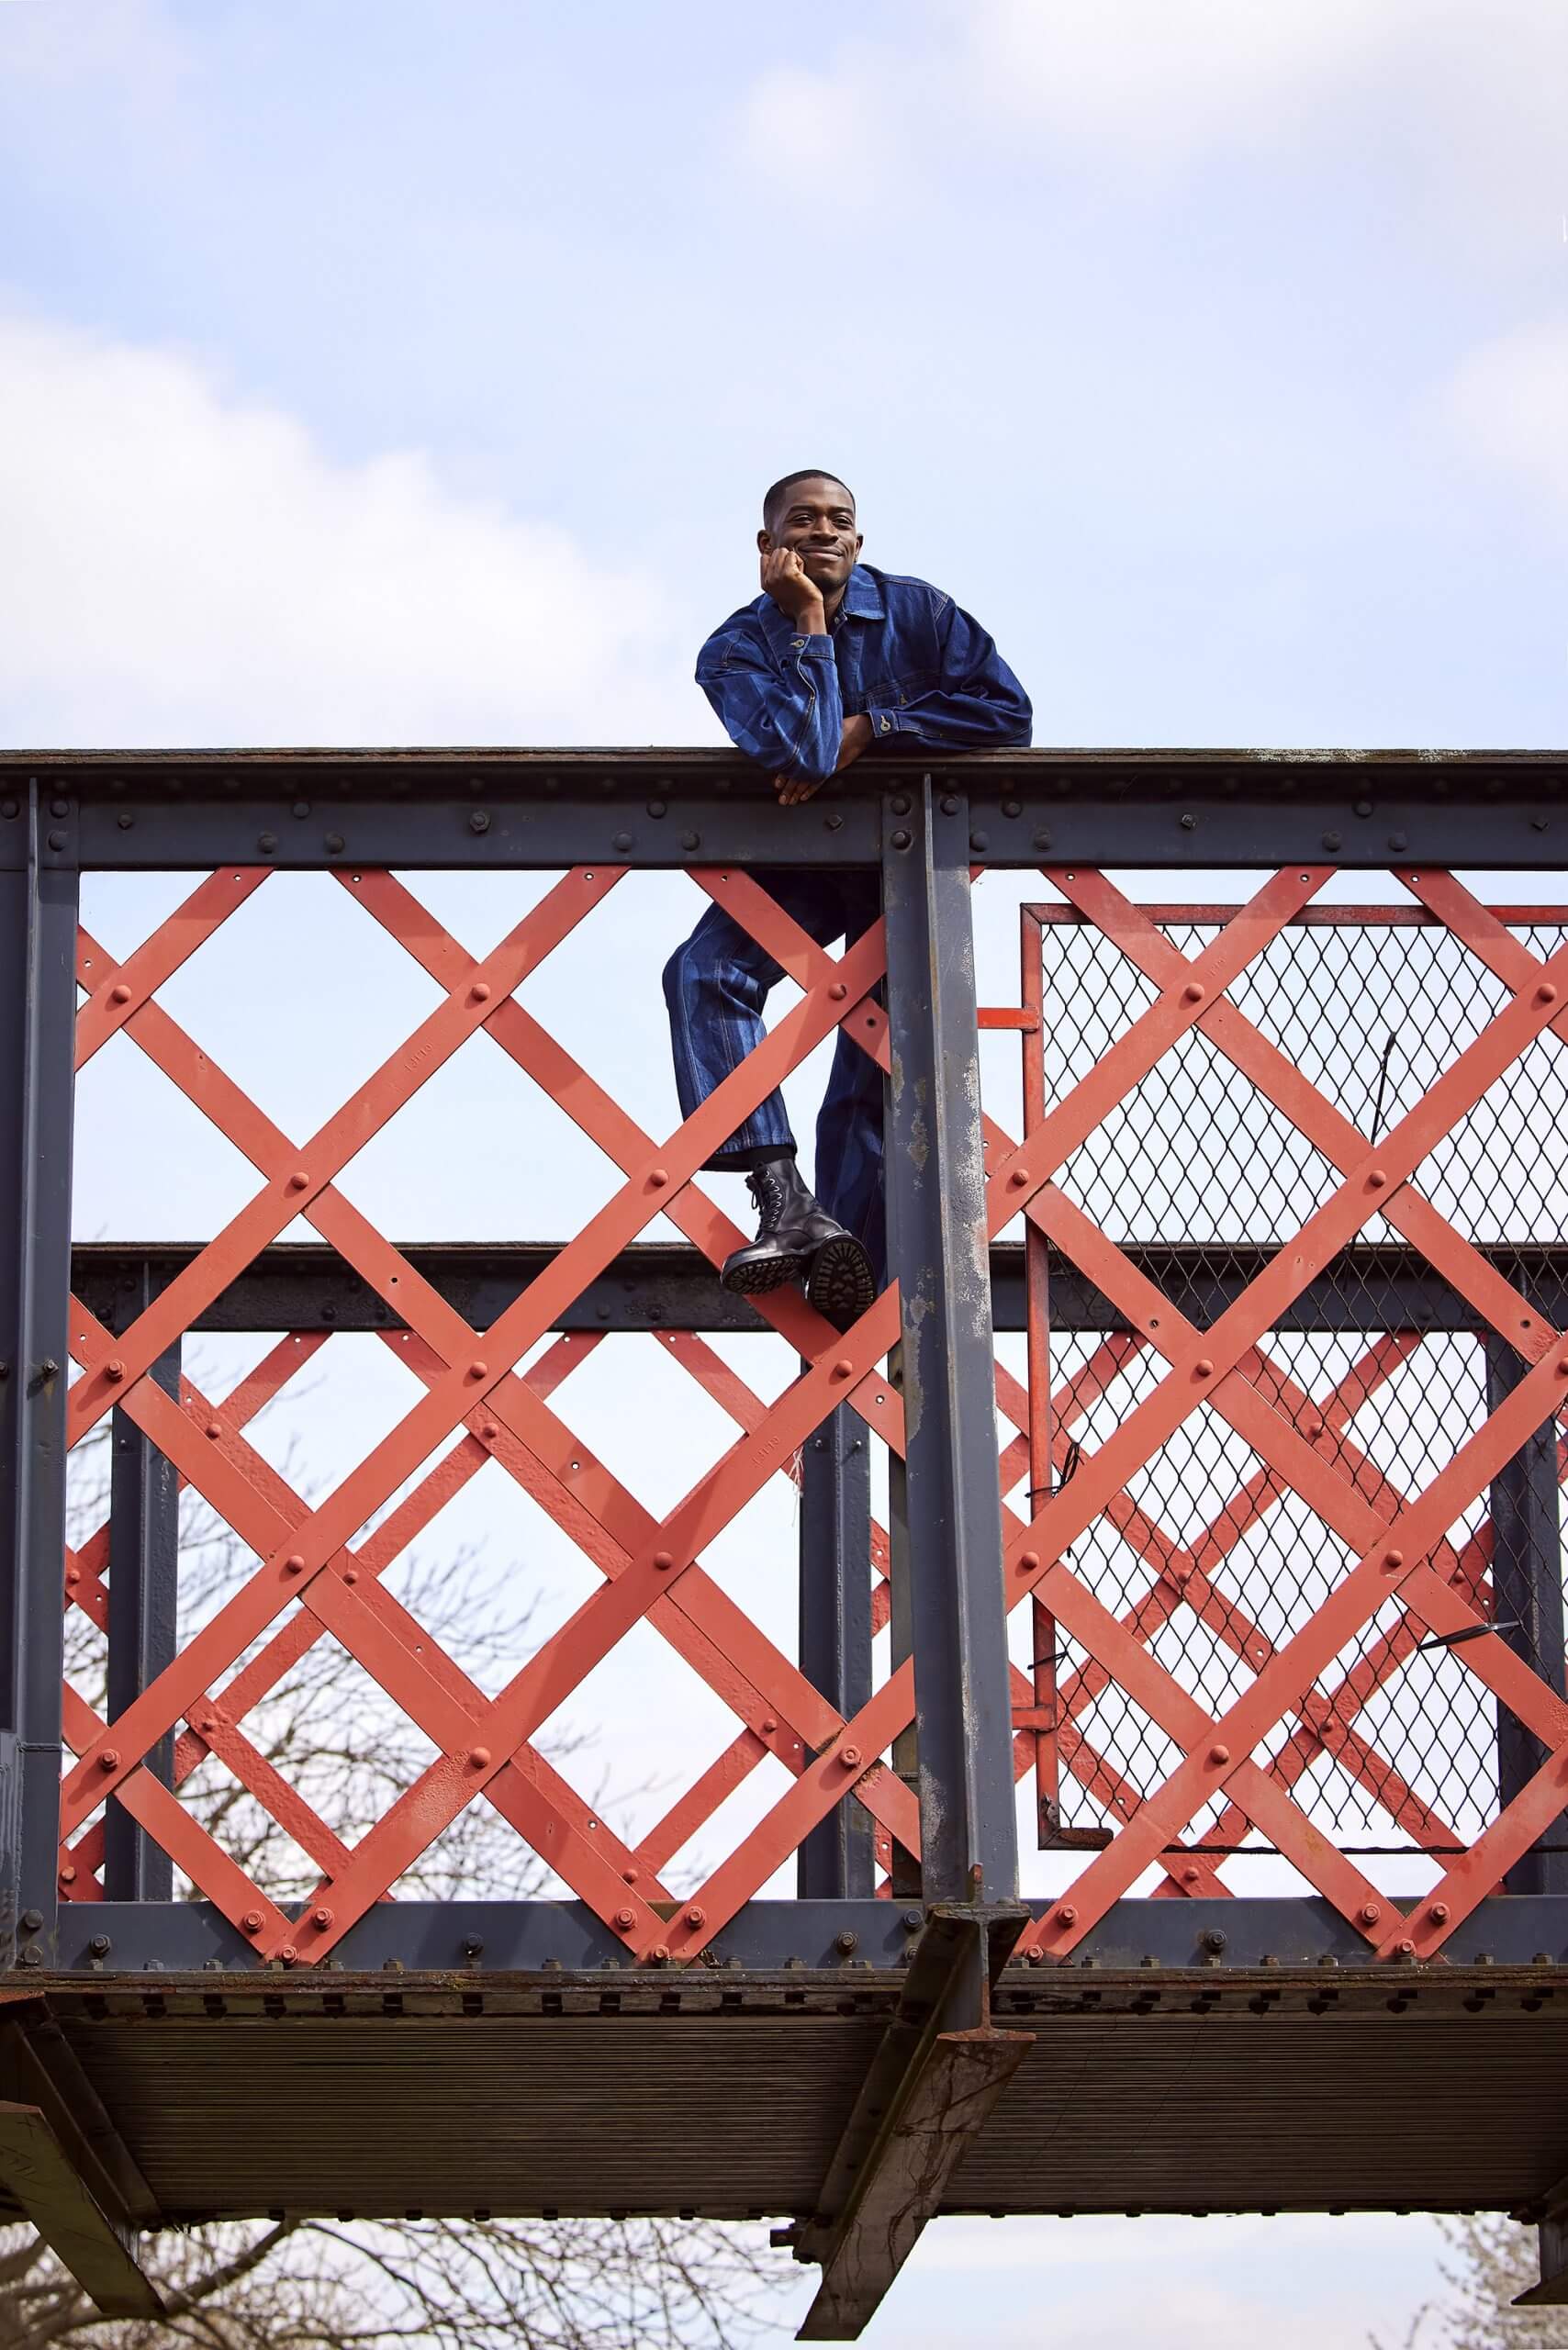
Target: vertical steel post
[838,1861]
[1526,1591]
[38,1010]
[936,1186]
[144,1547]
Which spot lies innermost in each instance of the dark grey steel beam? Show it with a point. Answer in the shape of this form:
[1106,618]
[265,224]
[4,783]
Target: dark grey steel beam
[126,1938]
[658,1285]
[144,1562]
[1180,809]
[837,1860]
[929,2091]
[935,1176]
[1527,1590]
[38,1008]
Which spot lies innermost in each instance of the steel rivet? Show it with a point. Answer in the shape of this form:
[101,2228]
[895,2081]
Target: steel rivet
[299,1180]
[350,1574]
[74,1574]
[1546,993]
[1192,992]
[1066,1915]
[1376,1179]
[109,1759]
[57,840]
[1203,1367]
[656,806]
[623,842]
[68,1874]
[479,1756]
[124,821]
[691,839]
[769,1724]
[480,992]
[1190,1876]
[478,1370]
[1219,1754]
[842,1369]
[1018,1178]
[114,1371]
[1333,840]
[1392,1561]
[301,808]
[1013,808]
[1398,842]
[1363,807]
[214,1430]
[979,840]
[949,805]
[850,1757]
[294,1564]
[663,1560]
[657,1178]
[838,990]
[489,1430]
[334,844]
[1042,840]
[901,840]
[266,842]
[1029,1561]
[120,994]
[899,804]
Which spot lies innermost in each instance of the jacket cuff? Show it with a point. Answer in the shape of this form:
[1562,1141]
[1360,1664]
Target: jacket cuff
[885,722]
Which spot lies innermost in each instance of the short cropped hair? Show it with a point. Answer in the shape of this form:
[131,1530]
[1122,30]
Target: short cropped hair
[807,473]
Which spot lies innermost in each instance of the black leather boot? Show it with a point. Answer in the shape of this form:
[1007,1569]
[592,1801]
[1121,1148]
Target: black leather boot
[797,1240]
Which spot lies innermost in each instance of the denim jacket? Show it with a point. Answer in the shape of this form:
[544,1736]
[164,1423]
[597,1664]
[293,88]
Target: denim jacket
[898,650]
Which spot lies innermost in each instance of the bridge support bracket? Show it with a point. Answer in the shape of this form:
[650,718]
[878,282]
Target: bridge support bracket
[930,2090]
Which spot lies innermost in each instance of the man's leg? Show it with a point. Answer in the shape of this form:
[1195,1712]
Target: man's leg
[849,1125]
[715,985]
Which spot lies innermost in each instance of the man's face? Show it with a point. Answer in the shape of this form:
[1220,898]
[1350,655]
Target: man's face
[816,517]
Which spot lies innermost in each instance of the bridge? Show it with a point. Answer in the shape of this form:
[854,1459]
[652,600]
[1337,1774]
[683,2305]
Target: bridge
[1148,1796]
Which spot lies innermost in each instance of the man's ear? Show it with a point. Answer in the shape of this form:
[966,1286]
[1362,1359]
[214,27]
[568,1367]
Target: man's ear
[859,543]
[763,541]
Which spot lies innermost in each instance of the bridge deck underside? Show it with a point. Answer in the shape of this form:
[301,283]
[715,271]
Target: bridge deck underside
[724,2093]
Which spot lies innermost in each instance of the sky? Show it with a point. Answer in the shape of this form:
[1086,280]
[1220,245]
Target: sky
[373,370]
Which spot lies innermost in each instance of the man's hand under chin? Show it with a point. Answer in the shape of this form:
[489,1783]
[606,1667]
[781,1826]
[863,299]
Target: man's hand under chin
[856,738]
[797,597]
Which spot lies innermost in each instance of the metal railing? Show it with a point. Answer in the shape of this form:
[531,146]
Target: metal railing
[1273,1562]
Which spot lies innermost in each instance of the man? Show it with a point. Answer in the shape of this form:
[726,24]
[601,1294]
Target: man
[832,658]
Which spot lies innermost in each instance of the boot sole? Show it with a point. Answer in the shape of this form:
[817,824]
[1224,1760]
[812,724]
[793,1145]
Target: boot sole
[841,1284]
[754,1281]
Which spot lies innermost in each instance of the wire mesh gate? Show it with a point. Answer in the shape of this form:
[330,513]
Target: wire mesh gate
[1272,1565]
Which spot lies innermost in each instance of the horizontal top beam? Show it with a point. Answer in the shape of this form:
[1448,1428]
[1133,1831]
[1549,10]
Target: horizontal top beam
[1176,807]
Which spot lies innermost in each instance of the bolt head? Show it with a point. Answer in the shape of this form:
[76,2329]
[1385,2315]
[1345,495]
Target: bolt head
[697,1915]
[1439,1912]
[252,1921]
[660,1953]
[1066,1915]
[321,1917]
[626,1919]
[100,1946]
[850,1757]
[1371,1912]
[288,1953]
[109,1759]
[114,1371]
[847,1941]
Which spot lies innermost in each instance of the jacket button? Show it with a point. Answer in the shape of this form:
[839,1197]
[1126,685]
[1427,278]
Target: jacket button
[887,725]
[799,645]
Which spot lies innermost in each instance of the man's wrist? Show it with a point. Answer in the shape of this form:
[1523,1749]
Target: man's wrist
[812,620]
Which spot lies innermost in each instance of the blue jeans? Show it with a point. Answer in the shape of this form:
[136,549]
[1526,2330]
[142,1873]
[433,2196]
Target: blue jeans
[716,985]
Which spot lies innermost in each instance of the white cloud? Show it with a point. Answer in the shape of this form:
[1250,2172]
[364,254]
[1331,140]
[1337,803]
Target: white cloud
[1468,102]
[1508,403]
[183,566]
